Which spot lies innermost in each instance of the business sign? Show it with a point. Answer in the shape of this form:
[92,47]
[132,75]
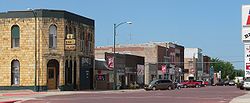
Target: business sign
[245,15]
[245,36]
[140,74]
[110,61]
[245,33]
[140,69]
[163,69]
[247,60]
[70,42]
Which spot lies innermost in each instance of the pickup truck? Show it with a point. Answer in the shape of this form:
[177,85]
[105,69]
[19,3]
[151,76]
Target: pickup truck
[191,83]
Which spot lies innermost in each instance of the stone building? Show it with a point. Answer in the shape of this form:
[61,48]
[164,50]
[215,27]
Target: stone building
[46,49]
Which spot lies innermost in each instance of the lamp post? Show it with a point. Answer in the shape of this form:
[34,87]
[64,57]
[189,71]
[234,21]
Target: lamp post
[114,69]
[35,15]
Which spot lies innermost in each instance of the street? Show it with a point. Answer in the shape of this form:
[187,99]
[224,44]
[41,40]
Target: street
[210,94]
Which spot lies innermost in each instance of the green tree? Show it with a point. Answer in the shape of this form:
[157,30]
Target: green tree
[226,68]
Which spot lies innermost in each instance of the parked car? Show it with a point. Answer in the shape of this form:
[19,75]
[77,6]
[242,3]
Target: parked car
[191,83]
[160,85]
[226,82]
[231,83]
[220,83]
[240,85]
[246,84]
[178,85]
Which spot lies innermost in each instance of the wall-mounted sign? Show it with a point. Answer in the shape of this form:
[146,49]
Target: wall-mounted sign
[70,43]
[163,69]
[140,69]
[100,77]
[110,62]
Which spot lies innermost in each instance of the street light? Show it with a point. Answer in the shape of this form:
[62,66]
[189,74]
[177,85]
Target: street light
[35,15]
[115,71]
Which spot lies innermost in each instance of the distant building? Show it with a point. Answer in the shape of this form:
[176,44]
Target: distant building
[193,63]
[46,49]
[206,68]
[158,55]
[130,71]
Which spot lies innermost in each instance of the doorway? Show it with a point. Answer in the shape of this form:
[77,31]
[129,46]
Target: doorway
[53,74]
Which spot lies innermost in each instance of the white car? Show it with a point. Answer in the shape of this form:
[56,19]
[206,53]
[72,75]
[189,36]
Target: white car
[246,84]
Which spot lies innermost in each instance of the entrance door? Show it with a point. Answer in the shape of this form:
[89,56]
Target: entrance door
[52,74]
[51,78]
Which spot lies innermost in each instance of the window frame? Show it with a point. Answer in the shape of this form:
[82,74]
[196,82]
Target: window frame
[15,72]
[52,36]
[15,41]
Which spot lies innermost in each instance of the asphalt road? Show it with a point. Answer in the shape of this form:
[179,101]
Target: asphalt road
[210,94]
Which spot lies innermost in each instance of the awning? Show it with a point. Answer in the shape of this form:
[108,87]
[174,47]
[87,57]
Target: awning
[191,75]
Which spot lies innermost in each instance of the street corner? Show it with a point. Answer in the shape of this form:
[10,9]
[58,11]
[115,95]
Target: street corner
[10,101]
[21,94]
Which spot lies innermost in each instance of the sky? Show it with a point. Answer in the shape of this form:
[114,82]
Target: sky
[212,25]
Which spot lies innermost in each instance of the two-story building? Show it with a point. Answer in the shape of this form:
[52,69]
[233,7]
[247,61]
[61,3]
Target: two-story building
[46,49]
[193,63]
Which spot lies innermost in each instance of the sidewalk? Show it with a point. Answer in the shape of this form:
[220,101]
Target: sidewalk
[242,99]
[11,96]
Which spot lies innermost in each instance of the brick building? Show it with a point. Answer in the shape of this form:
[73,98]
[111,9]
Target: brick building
[128,72]
[148,51]
[206,68]
[156,56]
[46,49]
[193,63]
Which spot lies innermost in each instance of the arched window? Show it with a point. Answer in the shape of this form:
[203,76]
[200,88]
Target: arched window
[15,72]
[15,36]
[52,36]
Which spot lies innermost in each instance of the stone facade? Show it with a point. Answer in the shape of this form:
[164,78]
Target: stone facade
[34,52]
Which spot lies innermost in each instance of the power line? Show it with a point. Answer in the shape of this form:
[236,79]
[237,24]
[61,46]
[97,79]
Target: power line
[193,62]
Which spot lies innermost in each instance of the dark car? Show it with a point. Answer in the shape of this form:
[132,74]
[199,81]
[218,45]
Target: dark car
[240,85]
[226,82]
[231,83]
[221,83]
[160,85]
[178,85]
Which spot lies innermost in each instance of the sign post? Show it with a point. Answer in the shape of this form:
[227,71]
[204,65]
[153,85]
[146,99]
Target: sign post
[245,36]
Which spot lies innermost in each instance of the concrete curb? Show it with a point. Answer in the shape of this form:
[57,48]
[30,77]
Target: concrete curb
[242,99]
[9,101]
[20,96]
